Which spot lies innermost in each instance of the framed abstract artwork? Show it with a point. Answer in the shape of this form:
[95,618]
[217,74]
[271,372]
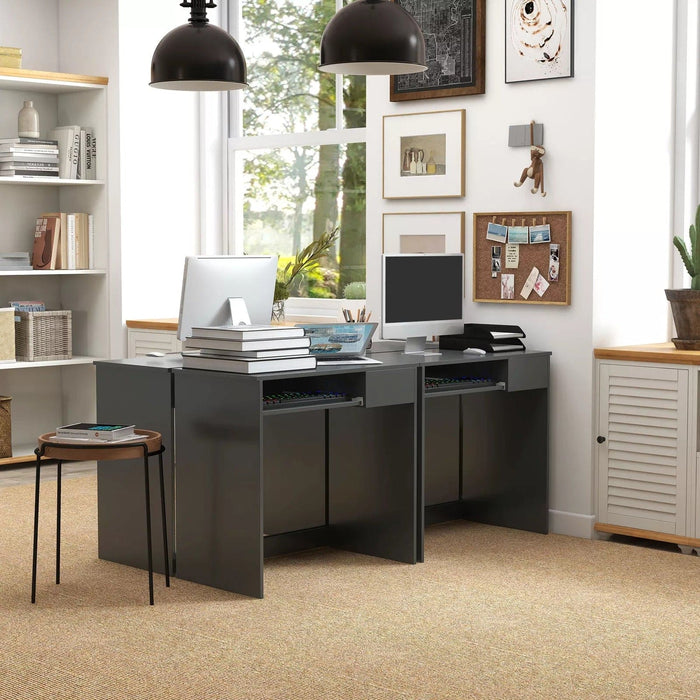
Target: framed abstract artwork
[424,154]
[455,41]
[539,39]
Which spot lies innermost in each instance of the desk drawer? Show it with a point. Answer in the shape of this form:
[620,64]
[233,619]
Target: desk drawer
[527,373]
[390,387]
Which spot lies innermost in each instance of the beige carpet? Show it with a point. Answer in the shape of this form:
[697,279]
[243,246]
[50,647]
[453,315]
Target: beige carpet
[492,613]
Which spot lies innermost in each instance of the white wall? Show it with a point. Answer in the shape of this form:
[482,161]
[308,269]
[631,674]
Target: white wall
[566,108]
[159,161]
[33,29]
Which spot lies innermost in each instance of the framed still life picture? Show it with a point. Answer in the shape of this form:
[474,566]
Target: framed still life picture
[454,32]
[539,39]
[424,154]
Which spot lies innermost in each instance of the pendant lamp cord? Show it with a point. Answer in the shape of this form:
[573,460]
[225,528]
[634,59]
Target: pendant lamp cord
[199,9]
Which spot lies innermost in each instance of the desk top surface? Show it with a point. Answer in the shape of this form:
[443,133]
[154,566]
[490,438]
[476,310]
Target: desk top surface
[388,360]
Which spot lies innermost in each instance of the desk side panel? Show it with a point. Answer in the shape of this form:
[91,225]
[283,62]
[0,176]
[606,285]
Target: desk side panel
[142,396]
[373,481]
[505,459]
[219,480]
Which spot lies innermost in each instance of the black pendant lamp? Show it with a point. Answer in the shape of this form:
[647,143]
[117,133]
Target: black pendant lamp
[198,55]
[372,37]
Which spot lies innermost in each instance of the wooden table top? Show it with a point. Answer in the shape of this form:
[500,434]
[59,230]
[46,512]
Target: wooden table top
[652,352]
[154,324]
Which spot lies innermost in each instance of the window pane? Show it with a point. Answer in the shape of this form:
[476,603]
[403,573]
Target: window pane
[287,93]
[292,195]
[354,101]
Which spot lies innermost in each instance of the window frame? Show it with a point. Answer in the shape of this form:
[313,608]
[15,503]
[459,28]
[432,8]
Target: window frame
[236,141]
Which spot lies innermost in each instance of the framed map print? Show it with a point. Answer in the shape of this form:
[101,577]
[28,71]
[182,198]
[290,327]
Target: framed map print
[454,32]
[539,39]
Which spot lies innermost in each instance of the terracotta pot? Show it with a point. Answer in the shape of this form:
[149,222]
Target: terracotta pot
[685,306]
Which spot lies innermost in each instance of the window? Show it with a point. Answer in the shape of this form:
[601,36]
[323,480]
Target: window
[297,146]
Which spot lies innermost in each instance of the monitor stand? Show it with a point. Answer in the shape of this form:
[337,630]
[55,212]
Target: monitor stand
[238,311]
[416,345]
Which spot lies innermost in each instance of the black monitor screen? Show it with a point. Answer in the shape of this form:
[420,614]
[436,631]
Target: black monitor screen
[422,288]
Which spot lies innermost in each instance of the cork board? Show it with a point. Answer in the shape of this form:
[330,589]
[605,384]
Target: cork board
[487,276]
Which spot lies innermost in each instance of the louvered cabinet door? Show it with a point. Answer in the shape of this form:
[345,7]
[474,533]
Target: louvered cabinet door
[642,464]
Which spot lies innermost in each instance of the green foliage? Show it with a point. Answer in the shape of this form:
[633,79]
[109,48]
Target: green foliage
[305,266]
[692,260]
[355,290]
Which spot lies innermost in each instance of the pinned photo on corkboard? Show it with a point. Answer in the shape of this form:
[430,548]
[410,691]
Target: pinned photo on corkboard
[536,269]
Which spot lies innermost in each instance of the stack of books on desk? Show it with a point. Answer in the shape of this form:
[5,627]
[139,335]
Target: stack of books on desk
[247,349]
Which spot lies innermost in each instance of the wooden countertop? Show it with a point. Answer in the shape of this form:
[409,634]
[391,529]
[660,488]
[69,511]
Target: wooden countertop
[154,324]
[653,352]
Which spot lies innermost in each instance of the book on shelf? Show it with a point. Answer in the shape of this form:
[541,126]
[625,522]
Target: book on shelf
[15,261]
[68,138]
[30,140]
[10,57]
[95,431]
[91,241]
[191,343]
[250,366]
[251,332]
[76,241]
[28,305]
[46,235]
[7,335]
[27,173]
[90,154]
[30,158]
[249,354]
[62,257]
[24,148]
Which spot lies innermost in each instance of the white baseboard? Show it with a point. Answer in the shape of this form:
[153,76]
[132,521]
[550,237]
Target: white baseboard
[573,524]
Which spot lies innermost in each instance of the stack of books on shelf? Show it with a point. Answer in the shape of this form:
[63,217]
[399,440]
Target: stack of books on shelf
[64,241]
[26,157]
[96,432]
[15,262]
[10,57]
[247,349]
[77,152]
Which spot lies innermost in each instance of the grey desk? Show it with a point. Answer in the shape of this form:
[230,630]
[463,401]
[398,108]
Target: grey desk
[248,481]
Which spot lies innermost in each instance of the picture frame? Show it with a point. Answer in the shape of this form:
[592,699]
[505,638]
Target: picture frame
[529,56]
[423,154]
[455,32]
[423,232]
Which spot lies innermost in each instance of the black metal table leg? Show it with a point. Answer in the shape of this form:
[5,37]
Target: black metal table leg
[162,508]
[148,527]
[36,524]
[58,521]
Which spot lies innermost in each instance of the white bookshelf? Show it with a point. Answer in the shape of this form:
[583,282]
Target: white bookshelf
[48,394]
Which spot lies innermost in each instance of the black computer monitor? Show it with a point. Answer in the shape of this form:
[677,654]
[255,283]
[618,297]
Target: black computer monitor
[208,282]
[422,296]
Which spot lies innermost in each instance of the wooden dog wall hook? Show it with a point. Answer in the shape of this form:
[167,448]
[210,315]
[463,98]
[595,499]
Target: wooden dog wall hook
[535,170]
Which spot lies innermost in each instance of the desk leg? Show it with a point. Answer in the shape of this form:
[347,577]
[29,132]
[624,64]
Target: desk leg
[218,503]
[372,481]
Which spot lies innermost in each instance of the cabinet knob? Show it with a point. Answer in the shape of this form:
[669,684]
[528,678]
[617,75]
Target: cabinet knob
[600,439]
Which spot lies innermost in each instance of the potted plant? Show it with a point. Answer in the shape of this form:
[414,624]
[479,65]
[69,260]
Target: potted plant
[685,303]
[303,261]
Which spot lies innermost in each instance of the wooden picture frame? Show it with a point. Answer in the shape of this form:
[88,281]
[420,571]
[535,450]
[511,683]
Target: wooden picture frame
[423,154]
[423,232]
[487,288]
[455,50]
[539,40]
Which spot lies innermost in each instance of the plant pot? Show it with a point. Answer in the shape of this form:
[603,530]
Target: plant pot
[685,306]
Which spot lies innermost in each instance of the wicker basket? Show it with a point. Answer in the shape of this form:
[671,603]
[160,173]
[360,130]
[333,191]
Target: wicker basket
[5,427]
[43,335]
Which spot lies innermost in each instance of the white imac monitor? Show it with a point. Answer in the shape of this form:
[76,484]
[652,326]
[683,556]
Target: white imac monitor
[208,283]
[422,296]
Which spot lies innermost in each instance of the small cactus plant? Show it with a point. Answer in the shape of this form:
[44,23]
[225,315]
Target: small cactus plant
[692,261]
